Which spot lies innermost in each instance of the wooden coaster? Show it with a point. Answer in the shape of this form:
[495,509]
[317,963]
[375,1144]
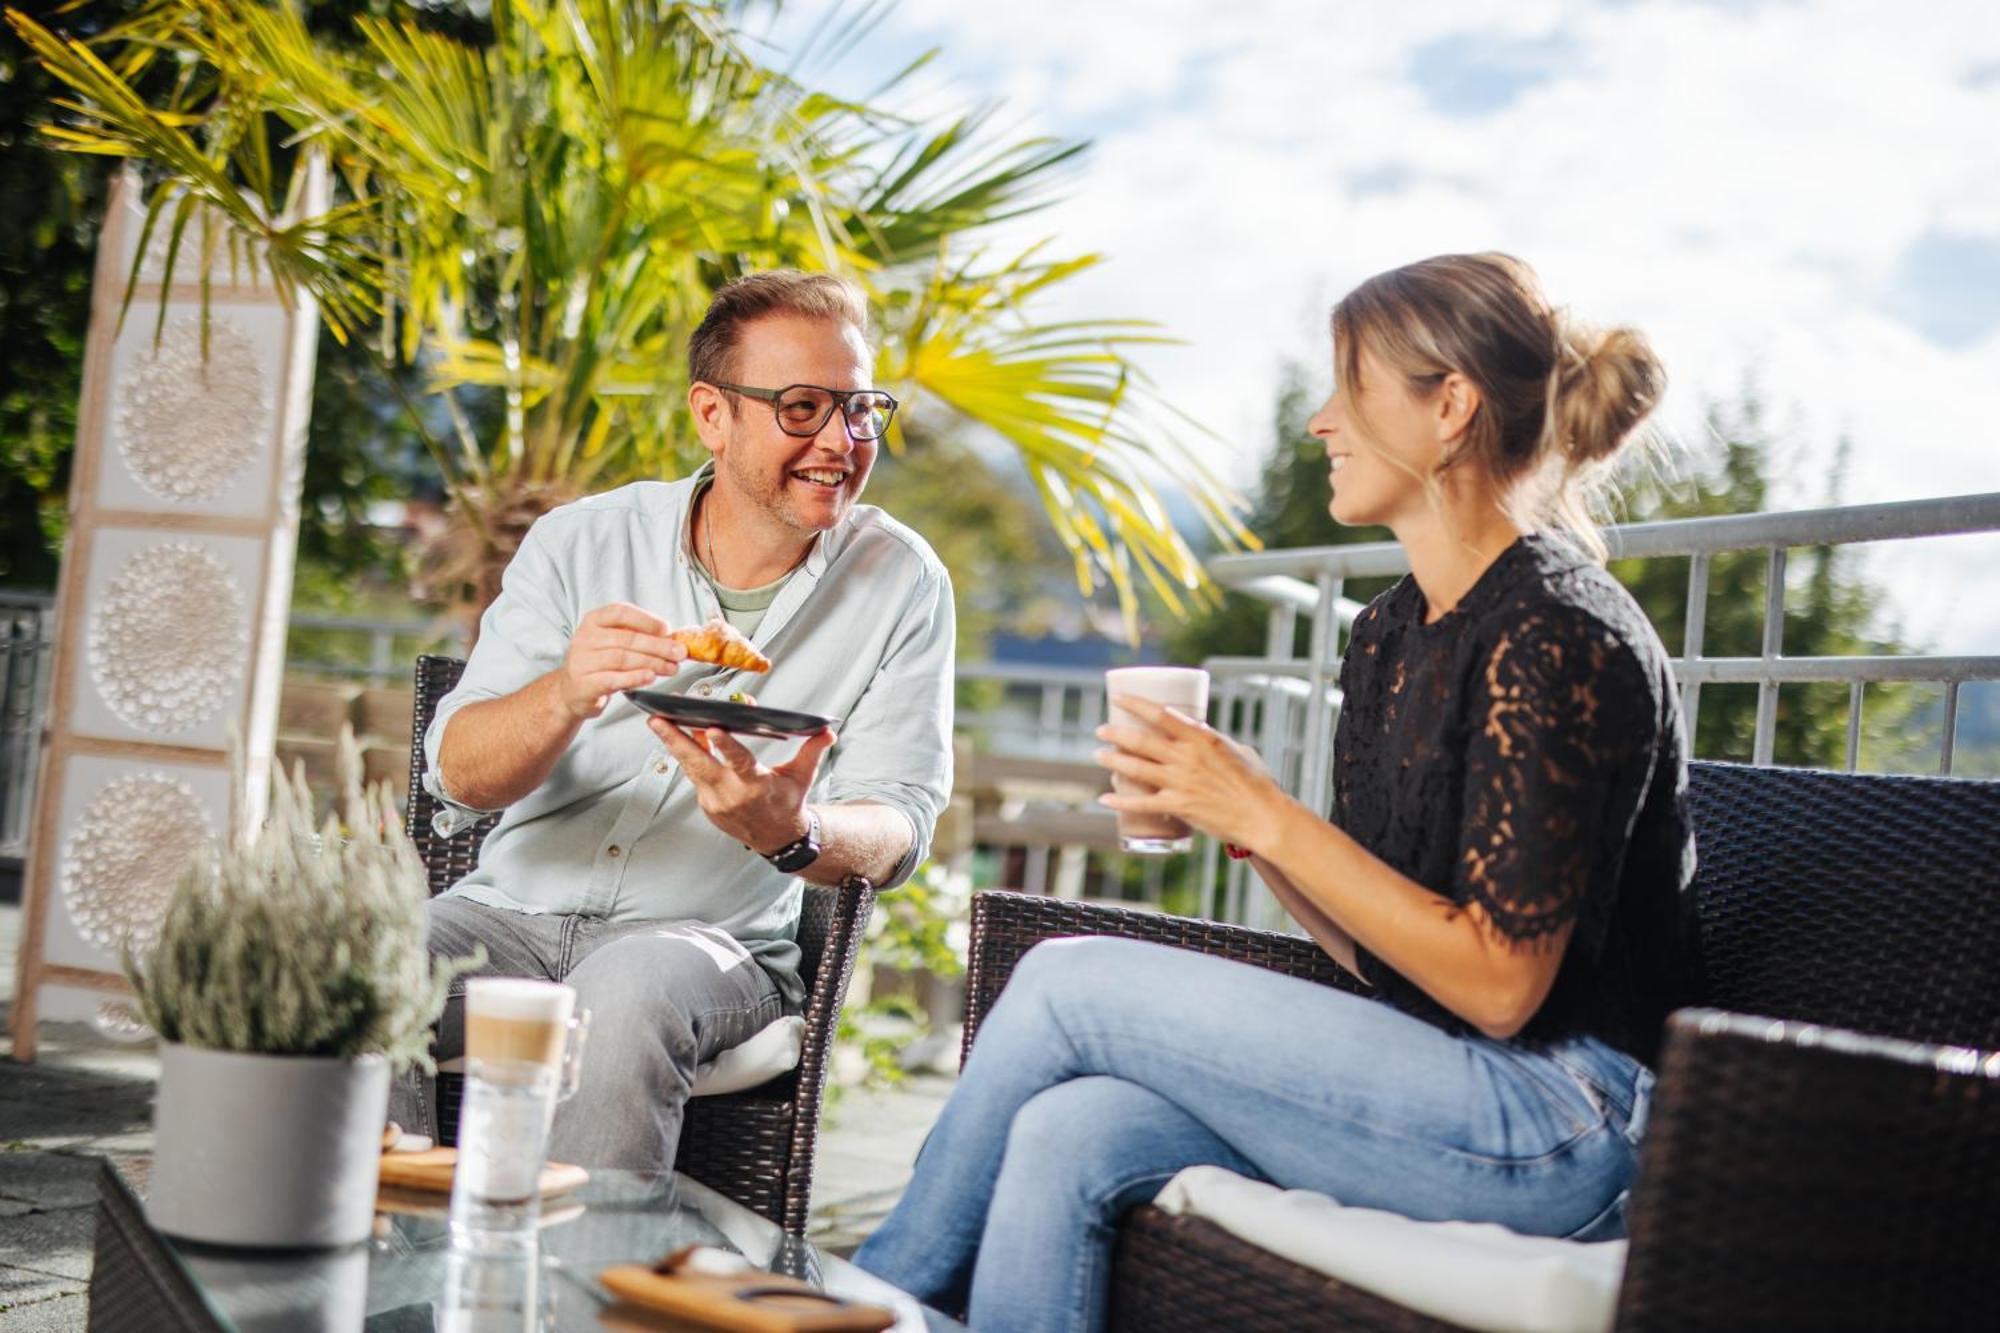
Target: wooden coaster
[431,1171]
[751,1302]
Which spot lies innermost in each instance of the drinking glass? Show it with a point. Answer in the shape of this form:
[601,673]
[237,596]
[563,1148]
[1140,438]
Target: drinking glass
[524,1054]
[1184,689]
[503,1135]
[497,1293]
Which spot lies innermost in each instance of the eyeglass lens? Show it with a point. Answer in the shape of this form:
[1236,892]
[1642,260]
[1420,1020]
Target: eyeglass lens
[803,410]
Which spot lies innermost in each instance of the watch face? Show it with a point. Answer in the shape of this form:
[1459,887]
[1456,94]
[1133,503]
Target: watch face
[801,853]
[797,856]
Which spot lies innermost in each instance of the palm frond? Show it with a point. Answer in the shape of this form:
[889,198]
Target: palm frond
[543,218]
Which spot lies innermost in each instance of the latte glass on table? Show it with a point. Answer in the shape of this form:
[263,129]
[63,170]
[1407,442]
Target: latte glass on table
[523,1053]
[1184,689]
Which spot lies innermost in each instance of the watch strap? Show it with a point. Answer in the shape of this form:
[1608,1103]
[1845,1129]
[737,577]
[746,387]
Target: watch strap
[796,856]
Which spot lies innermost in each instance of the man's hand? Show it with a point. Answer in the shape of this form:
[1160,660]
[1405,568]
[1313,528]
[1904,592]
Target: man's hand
[616,647]
[763,808]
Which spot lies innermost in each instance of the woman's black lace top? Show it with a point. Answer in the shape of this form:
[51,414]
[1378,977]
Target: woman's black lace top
[1525,753]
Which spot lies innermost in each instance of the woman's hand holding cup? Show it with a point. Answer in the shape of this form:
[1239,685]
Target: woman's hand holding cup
[1167,765]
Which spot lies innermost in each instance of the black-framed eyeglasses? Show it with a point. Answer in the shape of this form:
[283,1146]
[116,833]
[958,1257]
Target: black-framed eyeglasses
[802,409]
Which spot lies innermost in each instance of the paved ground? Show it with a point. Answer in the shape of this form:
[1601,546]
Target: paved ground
[86,1097]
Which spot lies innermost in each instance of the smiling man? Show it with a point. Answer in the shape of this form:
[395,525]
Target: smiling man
[655,870]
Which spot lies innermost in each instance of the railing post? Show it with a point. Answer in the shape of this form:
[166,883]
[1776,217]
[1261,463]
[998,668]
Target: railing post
[1089,712]
[1854,690]
[1211,879]
[1692,635]
[1774,646]
[1280,633]
[1052,717]
[1325,629]
[1950,726]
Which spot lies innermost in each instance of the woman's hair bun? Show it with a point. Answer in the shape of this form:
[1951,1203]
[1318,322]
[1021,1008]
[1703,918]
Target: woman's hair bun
[1607,381]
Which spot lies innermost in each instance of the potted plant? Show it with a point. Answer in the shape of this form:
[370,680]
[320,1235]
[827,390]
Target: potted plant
[289,979]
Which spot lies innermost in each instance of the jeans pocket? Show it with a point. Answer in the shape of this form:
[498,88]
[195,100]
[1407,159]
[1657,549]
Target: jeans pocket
[1609,1224]
[1616,1084]
[1565,1091]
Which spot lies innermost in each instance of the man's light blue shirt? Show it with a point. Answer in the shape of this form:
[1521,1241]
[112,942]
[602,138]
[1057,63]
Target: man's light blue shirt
[862,632]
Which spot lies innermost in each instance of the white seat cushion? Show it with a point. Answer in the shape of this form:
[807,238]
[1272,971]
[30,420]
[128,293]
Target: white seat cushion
[1474,1274]
[775,1049]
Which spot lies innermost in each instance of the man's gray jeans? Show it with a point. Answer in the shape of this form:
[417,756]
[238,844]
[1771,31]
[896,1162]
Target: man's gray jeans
[663,997]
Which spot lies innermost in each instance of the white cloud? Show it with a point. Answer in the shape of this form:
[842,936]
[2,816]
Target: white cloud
[1743,182]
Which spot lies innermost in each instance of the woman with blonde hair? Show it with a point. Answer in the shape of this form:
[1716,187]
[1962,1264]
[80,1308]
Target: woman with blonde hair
[1505,863]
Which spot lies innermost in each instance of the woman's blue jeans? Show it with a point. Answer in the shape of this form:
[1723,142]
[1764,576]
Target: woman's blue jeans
[1108,1065]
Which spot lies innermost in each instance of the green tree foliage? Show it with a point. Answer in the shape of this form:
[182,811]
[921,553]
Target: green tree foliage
[49,207]
[987,532]
[360,446]
[1831,608]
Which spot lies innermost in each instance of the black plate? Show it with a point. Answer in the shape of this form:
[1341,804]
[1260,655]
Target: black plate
[686,710]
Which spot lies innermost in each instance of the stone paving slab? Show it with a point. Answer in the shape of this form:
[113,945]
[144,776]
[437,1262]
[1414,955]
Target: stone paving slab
[56,1241]
[57,1314]
[48,1180]
[29,1299]
[866,1154]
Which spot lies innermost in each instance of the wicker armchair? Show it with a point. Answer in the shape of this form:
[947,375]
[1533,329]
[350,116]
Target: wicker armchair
[754,1146]
[1794,1174]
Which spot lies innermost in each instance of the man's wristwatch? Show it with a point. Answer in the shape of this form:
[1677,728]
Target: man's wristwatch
[796,856]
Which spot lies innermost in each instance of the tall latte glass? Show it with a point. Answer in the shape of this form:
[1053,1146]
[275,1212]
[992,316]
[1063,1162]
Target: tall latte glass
[523,1054]
[1184,689]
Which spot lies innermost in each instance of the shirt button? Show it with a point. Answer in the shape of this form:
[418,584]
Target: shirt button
[702,688]
[660,767]
[611,850]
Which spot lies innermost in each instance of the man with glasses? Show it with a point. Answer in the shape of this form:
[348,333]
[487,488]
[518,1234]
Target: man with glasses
[656,869]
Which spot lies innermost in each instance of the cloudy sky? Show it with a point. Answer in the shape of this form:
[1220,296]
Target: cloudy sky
[1806,192]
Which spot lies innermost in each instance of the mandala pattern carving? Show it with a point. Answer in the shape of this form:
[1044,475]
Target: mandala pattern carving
[169,639]
[188,424]
[125,855]
[204,229]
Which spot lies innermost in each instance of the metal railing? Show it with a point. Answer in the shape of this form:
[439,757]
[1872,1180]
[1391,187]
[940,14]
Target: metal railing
[26,648]
[1044,712]
[388,646]
[1284,702]
[1269,700]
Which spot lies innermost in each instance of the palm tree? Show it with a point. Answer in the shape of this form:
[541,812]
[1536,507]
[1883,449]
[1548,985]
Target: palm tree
[544,215]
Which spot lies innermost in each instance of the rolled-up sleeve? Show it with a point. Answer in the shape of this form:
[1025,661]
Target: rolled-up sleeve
[522,637]
[895,744]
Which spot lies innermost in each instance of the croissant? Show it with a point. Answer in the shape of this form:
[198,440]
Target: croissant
[723,644]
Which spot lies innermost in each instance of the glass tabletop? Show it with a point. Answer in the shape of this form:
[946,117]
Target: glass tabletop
[409,1280]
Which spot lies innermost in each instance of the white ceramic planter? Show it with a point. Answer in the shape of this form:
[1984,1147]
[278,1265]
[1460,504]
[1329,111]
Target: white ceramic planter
[275,1151]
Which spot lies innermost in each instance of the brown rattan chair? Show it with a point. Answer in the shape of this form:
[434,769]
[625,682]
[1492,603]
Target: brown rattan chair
[1794,1174]
[754,1146]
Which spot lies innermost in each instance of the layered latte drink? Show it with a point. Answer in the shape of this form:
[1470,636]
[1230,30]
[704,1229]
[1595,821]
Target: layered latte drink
[515,1018]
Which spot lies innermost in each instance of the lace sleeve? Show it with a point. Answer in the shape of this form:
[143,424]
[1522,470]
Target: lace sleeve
[1562,736]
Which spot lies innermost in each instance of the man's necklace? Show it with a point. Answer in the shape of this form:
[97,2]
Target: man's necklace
[705,525]
[708,523]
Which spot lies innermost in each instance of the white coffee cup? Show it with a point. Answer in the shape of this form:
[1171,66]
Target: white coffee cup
[1185,690]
